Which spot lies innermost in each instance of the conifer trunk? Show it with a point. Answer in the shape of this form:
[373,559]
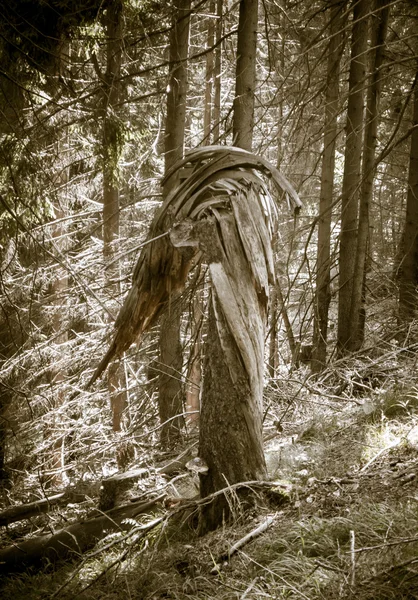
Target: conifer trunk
[352,171]
[171,392]
[245,74]
[408,269]
[323,278]
[111,151]
[357,312]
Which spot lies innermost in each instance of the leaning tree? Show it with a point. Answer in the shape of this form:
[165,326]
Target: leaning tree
[219,212]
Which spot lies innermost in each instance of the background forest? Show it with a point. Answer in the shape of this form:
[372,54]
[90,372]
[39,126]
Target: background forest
[98,100]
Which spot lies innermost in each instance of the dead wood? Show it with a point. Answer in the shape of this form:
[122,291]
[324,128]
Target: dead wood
[32,509]
[70,542]
[112,487]
[224,558]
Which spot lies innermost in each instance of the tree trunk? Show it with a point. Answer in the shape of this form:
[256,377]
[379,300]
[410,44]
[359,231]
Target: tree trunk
[231,415]
[171,393]
[111,151]
[408,269]
[230,439]
[55,455]
[194,372]
[209,78]
[379,29]
[273,330]
[323,278]
[352,171]
[245,74]
[217,73]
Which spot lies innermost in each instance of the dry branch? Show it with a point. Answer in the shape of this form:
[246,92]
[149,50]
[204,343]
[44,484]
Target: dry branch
[71,541]
[32,509]
[224,558]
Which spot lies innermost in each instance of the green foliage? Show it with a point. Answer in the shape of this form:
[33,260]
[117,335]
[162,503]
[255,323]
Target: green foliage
[115,134]
[32,31]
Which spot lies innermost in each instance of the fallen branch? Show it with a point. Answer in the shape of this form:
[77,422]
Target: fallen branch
[71,541]
[141,530]
[31,509]
[224,558]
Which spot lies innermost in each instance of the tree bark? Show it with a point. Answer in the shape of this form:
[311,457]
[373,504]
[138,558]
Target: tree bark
[408,269]
[245,74]
[112,146]
[323,277]
[352,171]
[231,415]
[217,73]
[171,392]
[357,313]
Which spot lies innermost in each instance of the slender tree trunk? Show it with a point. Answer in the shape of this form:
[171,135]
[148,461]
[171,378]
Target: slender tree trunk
[245,74]
[111,150]
[352,170]
[217,73]
[171,393]
[408,269]
[323,278]
[209,78]
[357,313]
[55,459]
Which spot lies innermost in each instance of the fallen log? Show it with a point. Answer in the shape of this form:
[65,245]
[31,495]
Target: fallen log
[70,542]
[32,509]
[113,487]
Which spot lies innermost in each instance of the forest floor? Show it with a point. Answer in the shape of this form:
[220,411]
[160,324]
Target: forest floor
[346,450]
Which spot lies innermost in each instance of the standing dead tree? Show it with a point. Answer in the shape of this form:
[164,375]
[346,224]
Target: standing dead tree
[220,213]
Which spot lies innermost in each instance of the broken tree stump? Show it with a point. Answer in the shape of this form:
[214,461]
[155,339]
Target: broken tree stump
[113,487]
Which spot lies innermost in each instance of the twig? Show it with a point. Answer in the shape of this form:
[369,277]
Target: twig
[382,451]
[387,544]
[249,588]
[224,558]
[353,557]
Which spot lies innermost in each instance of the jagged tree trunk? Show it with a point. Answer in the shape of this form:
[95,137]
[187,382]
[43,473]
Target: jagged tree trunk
[352,170]
[323,278]
[231,414]
[357,313]
[171,393]
[112,145]
[408,269]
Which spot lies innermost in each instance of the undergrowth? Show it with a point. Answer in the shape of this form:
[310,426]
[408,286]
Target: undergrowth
[349,528]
